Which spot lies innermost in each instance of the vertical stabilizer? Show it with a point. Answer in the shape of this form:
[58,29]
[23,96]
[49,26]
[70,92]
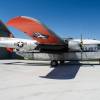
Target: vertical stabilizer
[4,32]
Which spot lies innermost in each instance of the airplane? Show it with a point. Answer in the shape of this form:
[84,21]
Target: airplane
[46,45]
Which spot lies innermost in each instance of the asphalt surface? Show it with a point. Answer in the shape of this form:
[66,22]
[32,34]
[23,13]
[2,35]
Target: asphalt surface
[35,80]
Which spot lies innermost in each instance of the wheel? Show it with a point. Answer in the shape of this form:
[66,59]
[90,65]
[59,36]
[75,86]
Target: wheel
[62,61]
[54,63]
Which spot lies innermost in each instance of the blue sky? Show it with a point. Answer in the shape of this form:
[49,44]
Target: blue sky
[67,18]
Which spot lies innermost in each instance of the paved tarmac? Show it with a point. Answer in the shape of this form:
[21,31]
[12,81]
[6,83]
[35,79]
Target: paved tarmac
[35,80]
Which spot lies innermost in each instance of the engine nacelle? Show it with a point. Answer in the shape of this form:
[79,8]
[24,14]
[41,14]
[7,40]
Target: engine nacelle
[74,46]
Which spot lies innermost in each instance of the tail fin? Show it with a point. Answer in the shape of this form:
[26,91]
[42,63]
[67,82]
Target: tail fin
[4,32]
[35,29]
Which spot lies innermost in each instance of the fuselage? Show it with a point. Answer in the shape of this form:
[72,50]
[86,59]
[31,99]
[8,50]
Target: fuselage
[91,49]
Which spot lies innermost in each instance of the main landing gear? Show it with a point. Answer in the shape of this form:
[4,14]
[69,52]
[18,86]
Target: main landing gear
[54,63]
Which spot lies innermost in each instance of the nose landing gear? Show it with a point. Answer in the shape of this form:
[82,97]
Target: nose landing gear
[54,63]
[62,61]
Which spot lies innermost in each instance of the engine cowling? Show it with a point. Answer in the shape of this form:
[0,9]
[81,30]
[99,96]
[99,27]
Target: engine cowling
[74,45]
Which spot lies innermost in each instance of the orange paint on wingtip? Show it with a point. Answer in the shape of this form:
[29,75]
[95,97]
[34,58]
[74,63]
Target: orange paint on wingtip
[35,29]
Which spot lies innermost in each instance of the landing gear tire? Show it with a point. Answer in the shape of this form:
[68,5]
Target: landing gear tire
[54,63]
[62,61]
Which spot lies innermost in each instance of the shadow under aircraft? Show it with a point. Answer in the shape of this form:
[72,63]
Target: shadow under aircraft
[66,71]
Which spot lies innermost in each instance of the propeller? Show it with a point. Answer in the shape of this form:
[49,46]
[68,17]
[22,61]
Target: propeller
[81,46]
[81,43]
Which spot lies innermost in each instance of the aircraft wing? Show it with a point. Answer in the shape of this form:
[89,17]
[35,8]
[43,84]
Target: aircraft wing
[36,30]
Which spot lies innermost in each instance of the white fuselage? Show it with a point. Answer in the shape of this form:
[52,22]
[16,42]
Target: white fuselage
[91,49]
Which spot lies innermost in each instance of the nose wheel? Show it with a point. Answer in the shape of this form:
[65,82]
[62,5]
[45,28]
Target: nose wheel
[54,63]
[62,61]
